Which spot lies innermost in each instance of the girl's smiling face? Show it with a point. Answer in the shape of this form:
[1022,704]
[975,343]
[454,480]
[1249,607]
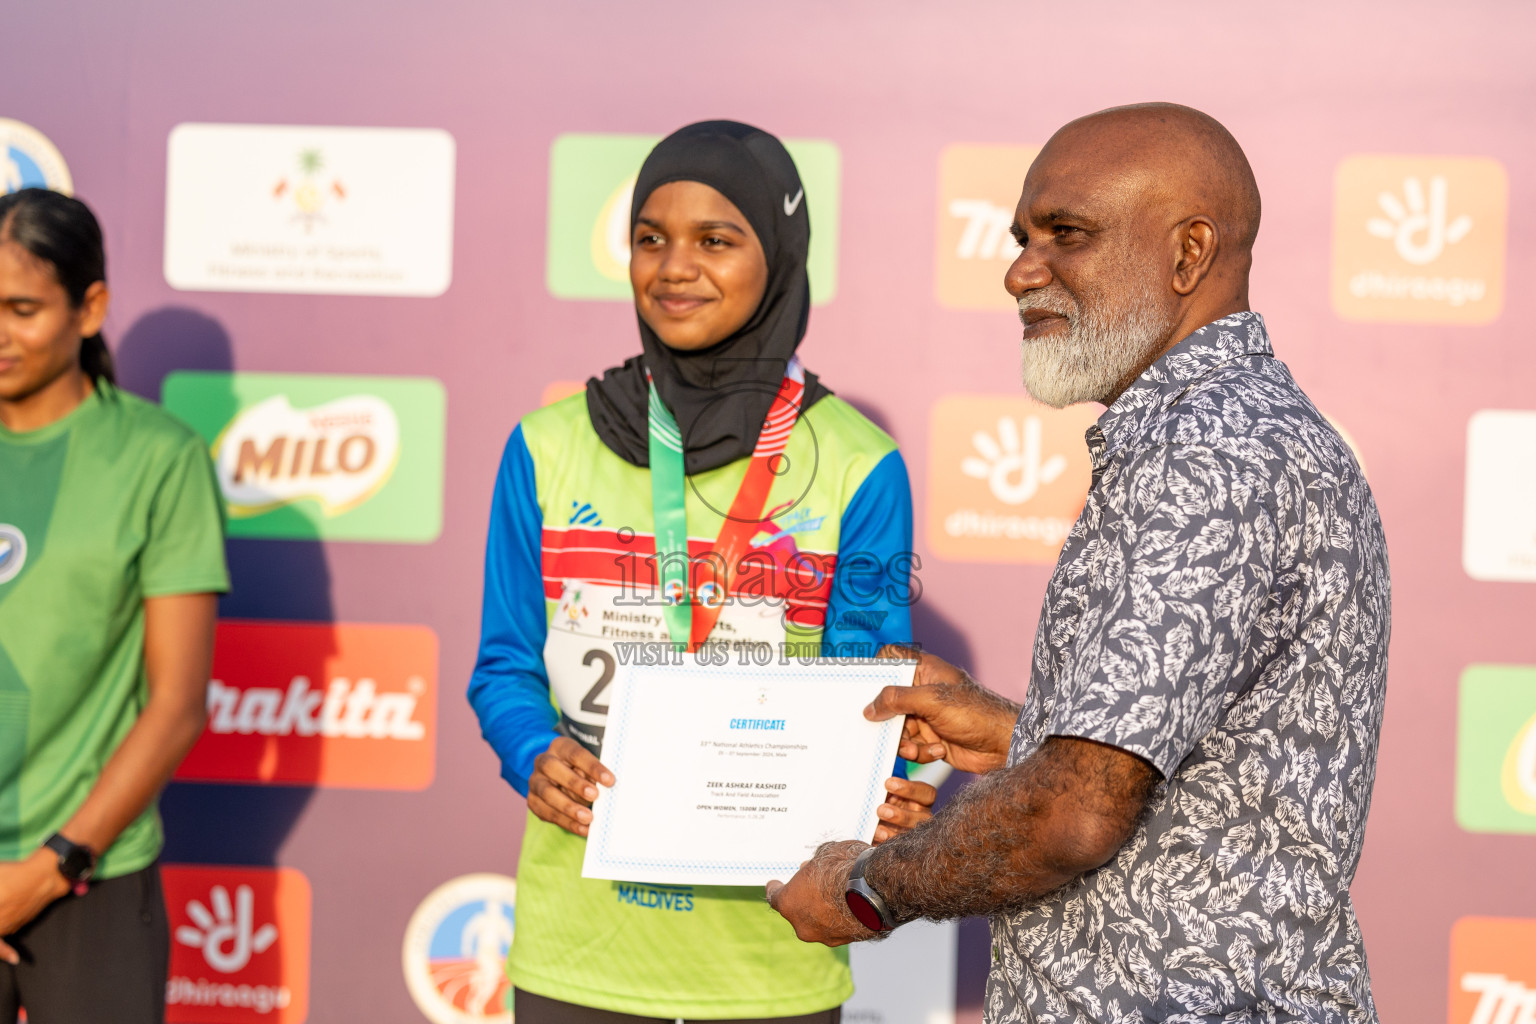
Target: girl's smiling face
[696,266]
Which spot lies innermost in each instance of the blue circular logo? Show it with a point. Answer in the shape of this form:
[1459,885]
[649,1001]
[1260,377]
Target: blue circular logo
[13,552]
[29,160]
[456,948]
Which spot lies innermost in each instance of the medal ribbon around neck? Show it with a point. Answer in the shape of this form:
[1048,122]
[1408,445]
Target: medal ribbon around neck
[686,614]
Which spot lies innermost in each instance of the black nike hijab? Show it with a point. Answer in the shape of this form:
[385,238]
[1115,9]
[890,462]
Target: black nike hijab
[719,395]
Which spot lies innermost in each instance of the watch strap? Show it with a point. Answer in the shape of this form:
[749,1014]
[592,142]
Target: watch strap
[77,862]
[860,894]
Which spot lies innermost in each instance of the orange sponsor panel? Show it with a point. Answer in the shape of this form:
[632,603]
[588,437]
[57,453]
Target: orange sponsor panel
[1419,239]
[1007,477]
[558,389]
[239,945]
[978,190]
[320,704]
[1493,971]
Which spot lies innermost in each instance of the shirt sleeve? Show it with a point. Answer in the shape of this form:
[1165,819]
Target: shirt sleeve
[1185,563]
[509,690]
[870,602]
[184,547]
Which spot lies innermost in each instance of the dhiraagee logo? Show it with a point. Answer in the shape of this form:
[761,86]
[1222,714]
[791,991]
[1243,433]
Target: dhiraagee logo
[1496,749]
[309,456]
[592,183]
[240,945]
[978,191]
[1493,971]
[1007,477]
[1419,239]
[455,951]
[29,160]
[1499,524]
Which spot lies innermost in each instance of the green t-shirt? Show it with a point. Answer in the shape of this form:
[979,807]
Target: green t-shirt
[113,503]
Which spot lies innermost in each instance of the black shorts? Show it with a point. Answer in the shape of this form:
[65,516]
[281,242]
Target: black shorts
[528,1008]
[93,959]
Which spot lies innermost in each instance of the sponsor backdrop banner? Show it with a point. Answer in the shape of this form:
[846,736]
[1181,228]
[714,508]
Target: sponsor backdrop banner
[352,245]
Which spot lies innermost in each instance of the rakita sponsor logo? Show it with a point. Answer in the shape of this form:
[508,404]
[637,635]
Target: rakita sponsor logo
[29,160]
[338,454]
[455,949]
[344,709]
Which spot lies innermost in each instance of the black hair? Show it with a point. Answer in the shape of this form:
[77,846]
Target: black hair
[62,232]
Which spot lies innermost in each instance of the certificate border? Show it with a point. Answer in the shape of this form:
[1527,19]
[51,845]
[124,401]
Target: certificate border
[876,787]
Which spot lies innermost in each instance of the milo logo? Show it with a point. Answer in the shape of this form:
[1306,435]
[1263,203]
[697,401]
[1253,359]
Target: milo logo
[325,457]
[338,454]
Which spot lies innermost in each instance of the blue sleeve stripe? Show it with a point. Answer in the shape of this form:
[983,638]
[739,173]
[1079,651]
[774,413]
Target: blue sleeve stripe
[509,690]
[870,603]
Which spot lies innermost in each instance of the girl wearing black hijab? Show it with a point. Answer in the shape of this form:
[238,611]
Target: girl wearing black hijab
[712,448]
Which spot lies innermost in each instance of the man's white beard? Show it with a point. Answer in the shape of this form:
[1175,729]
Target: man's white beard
[1103,343]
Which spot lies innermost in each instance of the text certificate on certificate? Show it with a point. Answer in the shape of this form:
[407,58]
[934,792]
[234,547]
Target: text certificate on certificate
[734,775]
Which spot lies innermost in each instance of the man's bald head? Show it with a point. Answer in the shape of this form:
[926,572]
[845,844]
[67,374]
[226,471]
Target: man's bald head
[1137,226]
[1186,155]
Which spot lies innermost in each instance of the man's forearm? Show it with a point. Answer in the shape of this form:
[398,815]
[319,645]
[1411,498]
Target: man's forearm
[1016,833]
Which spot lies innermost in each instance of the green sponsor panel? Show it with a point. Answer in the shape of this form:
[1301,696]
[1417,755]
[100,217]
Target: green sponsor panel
[591,182]
[318,457]
[1496,749]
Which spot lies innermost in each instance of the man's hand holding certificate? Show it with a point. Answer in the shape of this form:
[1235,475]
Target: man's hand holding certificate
[734,775]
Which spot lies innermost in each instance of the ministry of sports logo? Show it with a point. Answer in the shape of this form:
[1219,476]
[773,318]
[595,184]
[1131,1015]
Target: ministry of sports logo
[29,160]
[13,552]
[455,950]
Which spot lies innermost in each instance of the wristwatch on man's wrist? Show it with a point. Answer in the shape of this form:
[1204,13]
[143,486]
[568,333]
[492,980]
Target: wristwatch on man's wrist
[866,904]
[77,862]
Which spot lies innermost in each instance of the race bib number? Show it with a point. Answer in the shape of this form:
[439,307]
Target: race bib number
[597,629]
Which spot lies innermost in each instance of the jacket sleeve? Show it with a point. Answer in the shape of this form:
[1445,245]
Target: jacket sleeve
[510,689]
[870,603]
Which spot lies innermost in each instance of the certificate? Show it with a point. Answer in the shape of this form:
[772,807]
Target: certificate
[733,775]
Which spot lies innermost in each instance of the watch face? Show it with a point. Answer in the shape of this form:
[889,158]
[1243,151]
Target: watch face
[864,910]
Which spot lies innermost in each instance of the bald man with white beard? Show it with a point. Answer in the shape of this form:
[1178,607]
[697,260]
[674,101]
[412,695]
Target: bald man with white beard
[1167,828]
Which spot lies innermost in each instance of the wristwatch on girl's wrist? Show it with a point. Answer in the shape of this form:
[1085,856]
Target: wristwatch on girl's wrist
[77,862]
[866,904]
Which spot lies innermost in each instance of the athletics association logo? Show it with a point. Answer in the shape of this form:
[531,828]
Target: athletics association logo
[1419,239]
[240,949]
[1496,749]
[1007,477]
[29,160]
[13,552]
[592,187]
[978,191]
[455,950]
[1493,971]
[345,705]
[1499,525]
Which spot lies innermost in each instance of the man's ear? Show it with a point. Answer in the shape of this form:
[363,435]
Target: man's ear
[1198,240]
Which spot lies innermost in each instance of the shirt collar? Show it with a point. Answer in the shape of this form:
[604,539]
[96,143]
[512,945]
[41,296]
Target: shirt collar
[1174,372]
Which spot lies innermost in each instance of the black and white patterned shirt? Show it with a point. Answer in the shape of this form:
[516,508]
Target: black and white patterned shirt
[1221,608]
